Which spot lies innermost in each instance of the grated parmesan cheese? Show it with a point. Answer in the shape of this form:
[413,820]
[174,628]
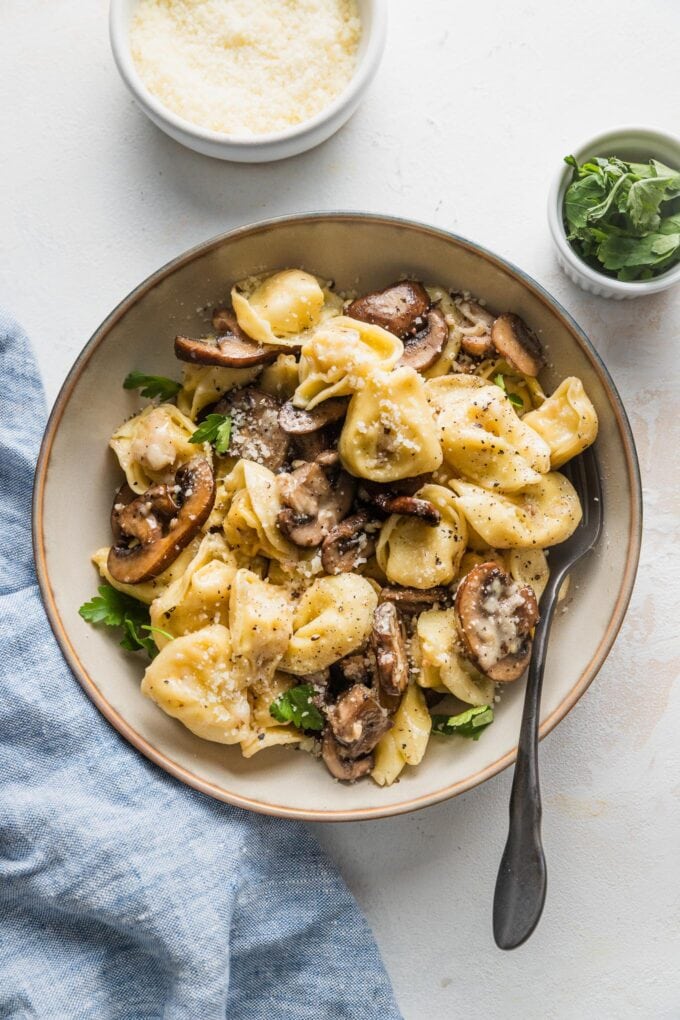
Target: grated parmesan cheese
[242,67]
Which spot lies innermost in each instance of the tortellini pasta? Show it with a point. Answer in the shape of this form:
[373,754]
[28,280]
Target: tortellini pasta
[265,731]
[482,436]
[206,384]
[441,664]
[193,680]
[541,515]
[333,617]
[340,357]
[420,555]
[280,379]
[199,596]
[152,445]
[389,430]
[406,742]
[260,623]
[280,307]
[566,420]
[248,503]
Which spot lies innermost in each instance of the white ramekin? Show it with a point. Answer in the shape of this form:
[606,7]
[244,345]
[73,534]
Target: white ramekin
[639,145]
[258,148]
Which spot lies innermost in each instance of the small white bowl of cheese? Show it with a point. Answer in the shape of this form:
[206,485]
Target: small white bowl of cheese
[248,80]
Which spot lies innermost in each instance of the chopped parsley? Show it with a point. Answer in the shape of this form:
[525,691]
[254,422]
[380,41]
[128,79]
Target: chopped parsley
[296,706]
[514,398]
[470,723]
[113,608]
[152,385]
[215,429]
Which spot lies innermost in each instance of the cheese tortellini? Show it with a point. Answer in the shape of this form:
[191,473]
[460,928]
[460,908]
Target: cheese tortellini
[389,431]
[194,680]
[341,357]
[333,617]
[250,502]
[204,385]
[540,516]
[566,420]
[415,554]
[280,307]
[441,664]
[261,624]
[152,445]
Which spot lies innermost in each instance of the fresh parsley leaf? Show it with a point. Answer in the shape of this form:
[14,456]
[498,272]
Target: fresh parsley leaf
[215,429]
[115,609]
[470,723]
[514,398]
[617,214]
[500,381]
[296,706]
[152,385]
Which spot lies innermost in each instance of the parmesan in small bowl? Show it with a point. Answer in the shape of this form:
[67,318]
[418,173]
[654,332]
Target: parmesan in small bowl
[244,80]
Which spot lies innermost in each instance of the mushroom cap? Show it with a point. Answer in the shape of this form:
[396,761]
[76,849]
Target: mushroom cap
[385,499]
[519,345]
[297,422]
[358,721]
[495,617]
[415,600]
[346,769]
[312,505]
[161,522]
[255,431]
[422,349]
[399,308]
[389,645]
[230,349]
[347,545]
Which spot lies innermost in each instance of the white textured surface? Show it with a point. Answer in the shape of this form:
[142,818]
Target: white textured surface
[472,108]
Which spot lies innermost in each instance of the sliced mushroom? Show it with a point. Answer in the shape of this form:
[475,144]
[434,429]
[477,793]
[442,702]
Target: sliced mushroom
[347,545]
[495,616]
[358,721]
[297,422]
[151,530]
[400,308]
[519,345]
[389,502]
[255,431]
[353,669]
[415,600]
[389,644]
[230,349]
[423,348]
[338,764]
[478,343]
[312,506]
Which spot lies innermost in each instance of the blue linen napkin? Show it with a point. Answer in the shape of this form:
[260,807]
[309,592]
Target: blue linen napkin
[124,894]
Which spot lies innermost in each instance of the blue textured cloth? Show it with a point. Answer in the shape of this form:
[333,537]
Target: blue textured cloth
[124,894]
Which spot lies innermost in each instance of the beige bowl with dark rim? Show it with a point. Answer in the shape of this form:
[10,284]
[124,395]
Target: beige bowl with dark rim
[77,474]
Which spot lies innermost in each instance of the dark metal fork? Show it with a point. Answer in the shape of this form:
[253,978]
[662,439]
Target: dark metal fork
[522,877]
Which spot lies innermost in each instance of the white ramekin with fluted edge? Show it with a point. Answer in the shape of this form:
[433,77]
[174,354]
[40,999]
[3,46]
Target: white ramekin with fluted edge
[639,145]
[254,148]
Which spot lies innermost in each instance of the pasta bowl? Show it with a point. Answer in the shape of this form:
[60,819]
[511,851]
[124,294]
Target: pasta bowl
[363,252]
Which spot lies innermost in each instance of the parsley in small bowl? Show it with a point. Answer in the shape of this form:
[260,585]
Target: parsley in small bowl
[615,214]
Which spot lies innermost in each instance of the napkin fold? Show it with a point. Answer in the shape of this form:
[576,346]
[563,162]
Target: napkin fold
[124,894]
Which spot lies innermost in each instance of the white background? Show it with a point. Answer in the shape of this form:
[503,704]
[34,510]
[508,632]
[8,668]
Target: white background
[472,110]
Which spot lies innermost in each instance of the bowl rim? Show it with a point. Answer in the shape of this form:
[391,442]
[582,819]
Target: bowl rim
[159,757]
[559,186]
[364,73]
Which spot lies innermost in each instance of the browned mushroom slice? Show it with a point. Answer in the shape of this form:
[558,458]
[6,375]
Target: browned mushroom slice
[478,344]
[515,342]
[389,644]
[358,721]
[230,349]
[312,506]
[495,616]
[423,348]
[255,430]
[400,308]
[415,600]
[297,422]
[151,530]
[348,545]
[338,764]
[409,506]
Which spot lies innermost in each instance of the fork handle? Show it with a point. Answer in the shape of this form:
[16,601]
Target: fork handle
[522,875]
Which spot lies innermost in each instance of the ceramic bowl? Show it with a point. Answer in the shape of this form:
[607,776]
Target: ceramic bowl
[636,144]
[258,148]
[77,475]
